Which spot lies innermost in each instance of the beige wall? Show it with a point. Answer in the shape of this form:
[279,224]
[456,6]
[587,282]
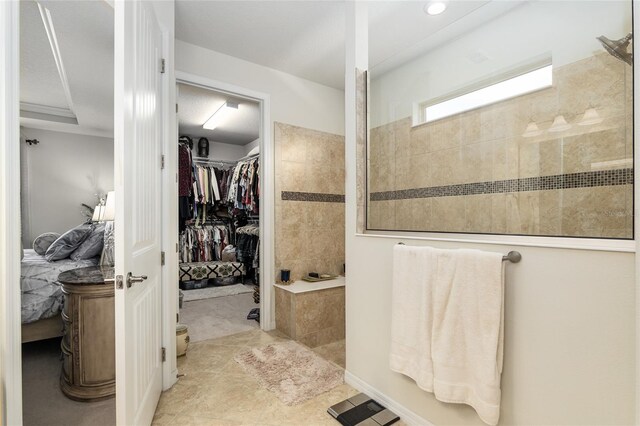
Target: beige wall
[486,144]
[569,336]
[309,234]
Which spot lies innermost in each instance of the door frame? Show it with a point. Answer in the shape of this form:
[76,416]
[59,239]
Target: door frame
[10,221]
[267,188]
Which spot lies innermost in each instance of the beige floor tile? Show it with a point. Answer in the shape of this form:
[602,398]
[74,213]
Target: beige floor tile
[196,420]
[217,391]
[334,352]
[207,357]
[163,419]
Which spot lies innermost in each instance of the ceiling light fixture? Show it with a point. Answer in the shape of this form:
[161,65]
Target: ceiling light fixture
[435,7]
[559,124]
[532,130]
[220,115]
[590,117]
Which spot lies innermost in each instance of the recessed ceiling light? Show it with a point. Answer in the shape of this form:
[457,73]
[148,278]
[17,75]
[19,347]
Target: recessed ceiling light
[435,8]
[220,115]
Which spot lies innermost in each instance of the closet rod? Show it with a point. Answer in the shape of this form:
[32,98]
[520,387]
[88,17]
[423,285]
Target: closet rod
[250,157]
[211,160]
[512,256]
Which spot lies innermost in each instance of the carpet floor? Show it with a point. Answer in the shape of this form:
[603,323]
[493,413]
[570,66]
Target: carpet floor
[218,317]
[42,400]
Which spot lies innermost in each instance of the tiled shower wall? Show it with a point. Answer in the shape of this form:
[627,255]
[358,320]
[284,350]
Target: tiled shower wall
[309,201]
[475,172]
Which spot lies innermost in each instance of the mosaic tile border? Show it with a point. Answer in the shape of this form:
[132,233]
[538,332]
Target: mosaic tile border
[538,183]
[312,196]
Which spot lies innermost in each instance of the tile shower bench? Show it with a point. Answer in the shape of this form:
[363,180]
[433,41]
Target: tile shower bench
[311,313]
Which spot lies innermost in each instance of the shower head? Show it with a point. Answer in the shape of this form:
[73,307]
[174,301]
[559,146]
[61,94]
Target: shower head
[618,48]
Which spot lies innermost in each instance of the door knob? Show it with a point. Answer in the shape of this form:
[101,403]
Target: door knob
[131,279]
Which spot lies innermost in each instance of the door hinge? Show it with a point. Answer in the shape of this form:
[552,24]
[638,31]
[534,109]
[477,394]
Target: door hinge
[164,354]
[176,107]
[177,249]
[119,282]
[161,258]
[177,318]
[162,161]
[162,66]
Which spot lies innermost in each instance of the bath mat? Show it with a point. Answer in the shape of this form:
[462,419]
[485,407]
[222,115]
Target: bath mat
[211,292]
[291,371]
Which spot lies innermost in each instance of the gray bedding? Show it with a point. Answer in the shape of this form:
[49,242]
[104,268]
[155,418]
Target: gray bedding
[41,295]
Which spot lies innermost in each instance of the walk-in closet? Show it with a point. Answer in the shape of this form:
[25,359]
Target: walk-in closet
[219,213]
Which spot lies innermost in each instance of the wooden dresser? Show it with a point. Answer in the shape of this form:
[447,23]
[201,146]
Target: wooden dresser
[88,344]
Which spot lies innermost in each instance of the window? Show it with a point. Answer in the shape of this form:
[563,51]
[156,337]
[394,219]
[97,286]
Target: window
[525,83]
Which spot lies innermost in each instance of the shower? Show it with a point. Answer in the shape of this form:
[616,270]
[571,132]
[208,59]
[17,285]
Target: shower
[618,48]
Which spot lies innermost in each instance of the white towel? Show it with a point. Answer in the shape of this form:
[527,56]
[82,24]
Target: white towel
[447,324]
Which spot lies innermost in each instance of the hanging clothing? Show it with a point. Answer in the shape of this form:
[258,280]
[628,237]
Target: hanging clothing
[244,187]
[203,244]
[247,249]
[185,176]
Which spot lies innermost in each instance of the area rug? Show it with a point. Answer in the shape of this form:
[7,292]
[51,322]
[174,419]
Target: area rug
[291,371]
[211,292]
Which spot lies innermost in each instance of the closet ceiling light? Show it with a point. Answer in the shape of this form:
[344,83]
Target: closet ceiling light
[435,7]
[590,117]
[531,130]
[220,115]
[559,124]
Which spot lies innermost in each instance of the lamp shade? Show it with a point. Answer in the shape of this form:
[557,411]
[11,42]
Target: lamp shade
[97,213]
[110,207]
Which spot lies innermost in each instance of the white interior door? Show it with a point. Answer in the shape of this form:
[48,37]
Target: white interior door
[138,142]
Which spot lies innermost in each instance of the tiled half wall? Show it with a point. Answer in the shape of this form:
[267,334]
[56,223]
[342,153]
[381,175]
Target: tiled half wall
[475,172]
[309,201]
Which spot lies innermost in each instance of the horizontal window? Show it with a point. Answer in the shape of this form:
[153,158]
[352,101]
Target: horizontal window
[506,89]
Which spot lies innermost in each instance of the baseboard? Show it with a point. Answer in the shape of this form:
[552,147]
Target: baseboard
[407,416]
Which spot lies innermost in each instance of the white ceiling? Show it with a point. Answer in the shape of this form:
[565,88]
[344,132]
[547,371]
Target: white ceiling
[303,38]
[40,82]
[306,38]
[197,104]
[84,38]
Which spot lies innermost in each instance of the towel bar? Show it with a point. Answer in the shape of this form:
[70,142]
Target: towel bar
[512,256]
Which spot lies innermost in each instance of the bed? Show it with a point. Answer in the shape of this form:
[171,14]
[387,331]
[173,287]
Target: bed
[42,296]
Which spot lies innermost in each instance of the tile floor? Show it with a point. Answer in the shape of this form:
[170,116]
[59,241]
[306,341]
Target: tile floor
[216,391]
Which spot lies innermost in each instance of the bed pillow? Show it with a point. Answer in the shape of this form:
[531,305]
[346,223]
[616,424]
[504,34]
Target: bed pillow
[92,246]
[43,241]
[68,242]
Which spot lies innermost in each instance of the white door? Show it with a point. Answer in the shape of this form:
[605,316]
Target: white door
[138,142]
